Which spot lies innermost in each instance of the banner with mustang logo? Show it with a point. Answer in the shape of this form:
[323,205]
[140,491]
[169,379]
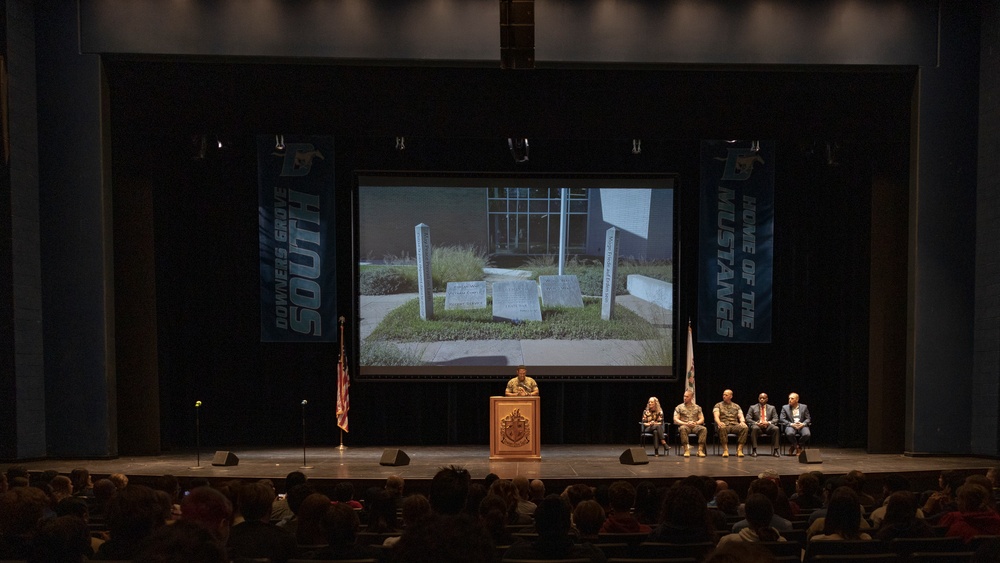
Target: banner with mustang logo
[297,251]
[736,240]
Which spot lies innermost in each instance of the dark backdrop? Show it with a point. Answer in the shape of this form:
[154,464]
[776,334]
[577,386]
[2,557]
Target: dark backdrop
[837,130]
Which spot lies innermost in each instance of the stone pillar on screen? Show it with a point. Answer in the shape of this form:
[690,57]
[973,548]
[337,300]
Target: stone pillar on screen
[425,286]
[611,243]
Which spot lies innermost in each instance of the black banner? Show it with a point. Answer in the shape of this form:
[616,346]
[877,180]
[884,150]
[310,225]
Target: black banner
[736,232]
[297,251]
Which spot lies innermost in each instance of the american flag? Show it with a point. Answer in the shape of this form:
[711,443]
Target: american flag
[343,385]
[689,372]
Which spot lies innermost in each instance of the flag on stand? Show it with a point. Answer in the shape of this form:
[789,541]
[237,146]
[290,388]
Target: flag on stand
[689,377]
[343,385]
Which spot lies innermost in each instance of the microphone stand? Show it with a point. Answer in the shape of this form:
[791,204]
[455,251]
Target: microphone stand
[304,465]
[197,434]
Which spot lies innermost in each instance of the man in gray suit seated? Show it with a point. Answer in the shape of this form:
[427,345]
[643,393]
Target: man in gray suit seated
[796,420]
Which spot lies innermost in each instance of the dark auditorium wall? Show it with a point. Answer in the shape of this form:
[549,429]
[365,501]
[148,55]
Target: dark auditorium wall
[861,89]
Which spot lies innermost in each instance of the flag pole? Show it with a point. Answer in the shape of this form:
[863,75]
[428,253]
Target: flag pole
[342,385]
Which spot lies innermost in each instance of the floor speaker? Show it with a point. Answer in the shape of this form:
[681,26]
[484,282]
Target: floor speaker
[225,458]
[634,456]
[394,458]
[810,456]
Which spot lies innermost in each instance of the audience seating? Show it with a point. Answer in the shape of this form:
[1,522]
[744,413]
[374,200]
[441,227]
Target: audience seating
[855,557]
[844,547]
[614,549]
[654,550]
[906,546]
[631,538]
[932,557]
[779,548]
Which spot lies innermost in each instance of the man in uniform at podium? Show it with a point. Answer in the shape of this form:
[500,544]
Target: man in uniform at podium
[522,385]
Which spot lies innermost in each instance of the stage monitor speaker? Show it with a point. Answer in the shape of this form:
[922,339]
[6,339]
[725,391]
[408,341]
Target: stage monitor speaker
[634,456]
[225,458]
[810,456]
[394,458]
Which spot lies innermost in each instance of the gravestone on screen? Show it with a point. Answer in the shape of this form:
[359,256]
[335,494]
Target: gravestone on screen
[560,291]
[465,295]
[516,301]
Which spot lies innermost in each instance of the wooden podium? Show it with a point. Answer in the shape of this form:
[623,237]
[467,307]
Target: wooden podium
[515,428]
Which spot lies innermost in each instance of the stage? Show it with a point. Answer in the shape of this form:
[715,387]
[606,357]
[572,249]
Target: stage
[560,465]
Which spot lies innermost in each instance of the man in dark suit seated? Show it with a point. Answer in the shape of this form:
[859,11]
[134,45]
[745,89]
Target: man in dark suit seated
[796,420]
[763,419]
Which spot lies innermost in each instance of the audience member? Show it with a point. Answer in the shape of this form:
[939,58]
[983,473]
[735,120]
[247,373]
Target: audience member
[856,480]
[61,487]
[295,496]
[578,492]
[648,503]
[942,501]
[415,509]
[524,503]
[256,536]
[892,483]
[21,511]
[119,479]
[133,515]
[448,490]
[209,508]
[309,531]
[444,538]
[727,502]
[341,523]
[182,542]
[808,495]
[343,492]
[684,518]
[588,518]
[64,539]
[508,492]
[382,513]
[974,517]
[477,492]
[759,513]
[552,522]
[279,508]
[493,515]
[82,485]
[394,486]
[769,489]
[843,517]
[621,498]
[77,506]
[899,518]
[104,490]
[537,490]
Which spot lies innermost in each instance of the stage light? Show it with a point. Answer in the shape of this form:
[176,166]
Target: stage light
[400,143]
[636,146]
[279,142]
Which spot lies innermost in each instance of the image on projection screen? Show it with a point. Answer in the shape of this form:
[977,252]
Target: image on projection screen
[470,277]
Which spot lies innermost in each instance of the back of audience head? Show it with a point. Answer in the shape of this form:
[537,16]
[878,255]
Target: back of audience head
[311,514]
[972,498]
[552,517]
[209,508]
[951,481]
[488,480]
[493,514]
[341,524]
[807,485]
[578,492]
[895,482]
[255,500]
[648,502]
[621,496]
[537,490]
[507,491]
[394,484]
[182,542]
[61,486]
[297,494]
[523,486]
[685,506]
[73,506]
[477,492]
[382,512]
[589,516]
[294,479]
[64,539]
[104,489]
[415,508]
[119,479]
[901,507]
[134,513]
[21,510]
[15,471]
[728,502]
[445,539]
[843,514]
[449,489]
[343,491]
[759,512]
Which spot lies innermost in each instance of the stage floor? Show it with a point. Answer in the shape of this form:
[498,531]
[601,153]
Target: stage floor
[559,466]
